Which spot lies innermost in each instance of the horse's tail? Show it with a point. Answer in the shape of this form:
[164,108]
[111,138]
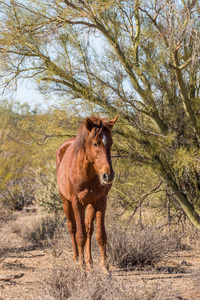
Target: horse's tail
[59,156]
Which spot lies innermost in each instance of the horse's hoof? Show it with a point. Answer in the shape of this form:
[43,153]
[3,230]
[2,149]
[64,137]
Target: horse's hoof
[75,259]
[105,268]
[89,267]
[89,264]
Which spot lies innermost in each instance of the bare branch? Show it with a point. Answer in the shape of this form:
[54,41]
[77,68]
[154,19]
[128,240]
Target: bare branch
[68,3]
[158,27]
[141,199]
[149,132]
[44,139]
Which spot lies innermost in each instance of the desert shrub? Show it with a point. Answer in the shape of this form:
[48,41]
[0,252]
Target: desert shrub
[189,236]
[5,216]
[71,283]
[68,282]
[17,193]
[136,246]
[5,245]
[48,195]
[40,231]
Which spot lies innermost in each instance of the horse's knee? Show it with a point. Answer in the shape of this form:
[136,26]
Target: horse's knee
[101,238]
[71,227]
[81,238]
[89,226]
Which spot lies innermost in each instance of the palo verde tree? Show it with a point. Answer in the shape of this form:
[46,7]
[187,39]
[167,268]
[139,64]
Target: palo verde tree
[139,59]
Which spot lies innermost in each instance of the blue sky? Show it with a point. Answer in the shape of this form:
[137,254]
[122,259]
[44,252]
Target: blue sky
[27,93]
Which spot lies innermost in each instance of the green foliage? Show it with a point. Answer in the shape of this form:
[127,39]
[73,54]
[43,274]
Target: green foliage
[28,145]
[187,169]
[16,174]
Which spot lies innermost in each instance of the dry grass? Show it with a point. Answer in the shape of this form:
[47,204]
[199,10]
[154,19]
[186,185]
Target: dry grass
[5,245]
[5,216]
[130,251]
[41,230]
[70,283]
[139,247]
[127,247]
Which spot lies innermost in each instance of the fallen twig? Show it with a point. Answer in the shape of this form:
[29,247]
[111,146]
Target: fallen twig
[10,277]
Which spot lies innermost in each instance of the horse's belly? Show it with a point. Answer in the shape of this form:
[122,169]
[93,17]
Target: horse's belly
[63,187]
[62,181]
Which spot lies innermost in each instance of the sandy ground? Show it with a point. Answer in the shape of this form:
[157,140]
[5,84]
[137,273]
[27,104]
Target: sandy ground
[23,271]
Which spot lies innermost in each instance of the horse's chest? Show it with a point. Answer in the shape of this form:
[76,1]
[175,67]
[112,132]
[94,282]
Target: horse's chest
[88,196]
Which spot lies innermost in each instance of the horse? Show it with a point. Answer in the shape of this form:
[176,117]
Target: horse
[84,177]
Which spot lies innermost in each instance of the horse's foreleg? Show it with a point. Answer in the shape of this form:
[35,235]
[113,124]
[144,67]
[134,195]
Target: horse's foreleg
[101,232]
[71,224]
[90,215]
[79,213]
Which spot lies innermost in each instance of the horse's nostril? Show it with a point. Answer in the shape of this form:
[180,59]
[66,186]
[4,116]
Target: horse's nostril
[105,176]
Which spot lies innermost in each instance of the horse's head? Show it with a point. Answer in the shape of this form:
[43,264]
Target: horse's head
[98,147]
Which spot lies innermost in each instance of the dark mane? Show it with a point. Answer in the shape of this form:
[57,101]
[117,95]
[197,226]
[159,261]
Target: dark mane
[83,133]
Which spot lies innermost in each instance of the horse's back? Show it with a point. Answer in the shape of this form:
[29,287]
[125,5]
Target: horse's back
[62,150]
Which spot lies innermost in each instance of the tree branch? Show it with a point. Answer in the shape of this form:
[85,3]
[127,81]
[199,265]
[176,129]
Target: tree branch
[183,66]
[184,95]
[44,139]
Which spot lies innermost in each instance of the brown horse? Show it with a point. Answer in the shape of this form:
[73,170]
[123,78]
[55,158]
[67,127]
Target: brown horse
[84,176]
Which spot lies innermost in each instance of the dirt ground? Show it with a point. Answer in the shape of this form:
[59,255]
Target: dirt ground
[23,270]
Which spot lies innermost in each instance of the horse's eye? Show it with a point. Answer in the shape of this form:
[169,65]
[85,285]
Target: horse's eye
[95,144]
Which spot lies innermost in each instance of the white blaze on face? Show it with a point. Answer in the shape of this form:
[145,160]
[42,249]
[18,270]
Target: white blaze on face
[104,140]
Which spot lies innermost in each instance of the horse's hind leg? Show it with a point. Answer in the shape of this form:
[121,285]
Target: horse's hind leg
[71,224]
[90,215]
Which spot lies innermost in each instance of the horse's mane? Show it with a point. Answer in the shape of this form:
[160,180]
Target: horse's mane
[83,133]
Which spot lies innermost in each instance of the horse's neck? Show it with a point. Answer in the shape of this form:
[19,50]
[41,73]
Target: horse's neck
[84,167]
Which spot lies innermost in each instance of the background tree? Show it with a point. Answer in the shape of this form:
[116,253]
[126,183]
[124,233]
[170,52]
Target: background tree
[28,140]
[139,59]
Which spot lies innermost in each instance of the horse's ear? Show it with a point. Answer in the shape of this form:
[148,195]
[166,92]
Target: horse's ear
[89,124]
[112,122]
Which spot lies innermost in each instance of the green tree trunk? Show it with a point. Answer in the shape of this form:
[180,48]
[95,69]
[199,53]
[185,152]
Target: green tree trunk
[185,204]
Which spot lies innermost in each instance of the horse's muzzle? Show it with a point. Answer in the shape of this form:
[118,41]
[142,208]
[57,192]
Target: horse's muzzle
[106,178]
